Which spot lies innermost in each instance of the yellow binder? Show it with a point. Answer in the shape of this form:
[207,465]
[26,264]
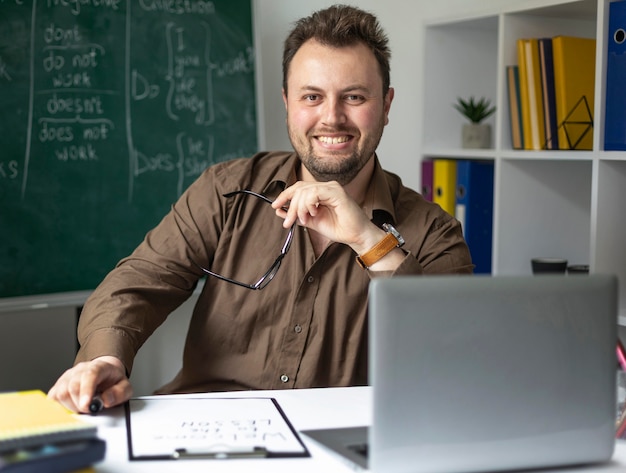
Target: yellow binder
[574,83]
[444,184]
[531,93]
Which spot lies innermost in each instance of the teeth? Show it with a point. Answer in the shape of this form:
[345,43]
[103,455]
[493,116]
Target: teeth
[331,140]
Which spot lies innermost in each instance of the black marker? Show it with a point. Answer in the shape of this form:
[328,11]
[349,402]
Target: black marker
[96,404]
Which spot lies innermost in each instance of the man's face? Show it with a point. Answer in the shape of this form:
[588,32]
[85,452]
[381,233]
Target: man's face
[336,110]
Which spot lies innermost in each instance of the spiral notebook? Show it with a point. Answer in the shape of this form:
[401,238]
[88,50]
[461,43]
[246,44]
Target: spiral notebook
[30,418]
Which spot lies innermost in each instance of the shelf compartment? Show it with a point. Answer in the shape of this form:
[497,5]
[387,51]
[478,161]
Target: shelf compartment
[573,19]
[543,209]
[460,61]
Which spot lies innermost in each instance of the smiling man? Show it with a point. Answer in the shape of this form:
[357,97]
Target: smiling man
[284,305]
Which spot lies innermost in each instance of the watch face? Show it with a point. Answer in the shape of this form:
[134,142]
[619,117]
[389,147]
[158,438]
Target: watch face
[391,229]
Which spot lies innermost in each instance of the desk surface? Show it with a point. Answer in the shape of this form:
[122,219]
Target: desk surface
[306,409]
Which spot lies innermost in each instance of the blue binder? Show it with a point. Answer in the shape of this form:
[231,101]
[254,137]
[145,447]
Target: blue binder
[615,114]
[60,457]
[474,209]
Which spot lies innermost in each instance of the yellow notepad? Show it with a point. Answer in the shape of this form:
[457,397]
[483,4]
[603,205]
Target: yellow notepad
[30,418]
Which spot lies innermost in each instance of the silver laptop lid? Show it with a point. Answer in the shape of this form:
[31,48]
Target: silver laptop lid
[490,373]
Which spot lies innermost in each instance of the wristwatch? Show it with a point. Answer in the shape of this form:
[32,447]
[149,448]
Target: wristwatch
[392,240]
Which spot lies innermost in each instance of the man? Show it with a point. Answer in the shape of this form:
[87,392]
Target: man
[303,321]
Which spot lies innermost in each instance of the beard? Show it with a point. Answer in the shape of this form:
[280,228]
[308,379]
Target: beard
[336,165]
[340,169]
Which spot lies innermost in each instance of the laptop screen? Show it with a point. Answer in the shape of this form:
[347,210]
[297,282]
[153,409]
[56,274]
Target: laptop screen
[481,373]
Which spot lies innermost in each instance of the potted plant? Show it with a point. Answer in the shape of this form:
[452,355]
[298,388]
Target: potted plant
[475,134]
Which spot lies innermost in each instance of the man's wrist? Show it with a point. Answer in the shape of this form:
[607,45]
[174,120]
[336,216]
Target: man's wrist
[389,242]
[369,240]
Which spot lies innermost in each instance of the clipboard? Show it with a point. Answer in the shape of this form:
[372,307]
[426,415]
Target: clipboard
[178,428]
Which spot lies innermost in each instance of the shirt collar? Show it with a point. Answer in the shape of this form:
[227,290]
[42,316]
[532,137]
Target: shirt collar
[285,176]
[379,201]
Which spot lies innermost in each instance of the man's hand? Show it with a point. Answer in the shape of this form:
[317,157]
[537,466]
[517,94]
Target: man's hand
[105,376]
[326,208]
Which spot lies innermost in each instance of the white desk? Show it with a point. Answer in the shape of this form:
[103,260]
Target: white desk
[306,409]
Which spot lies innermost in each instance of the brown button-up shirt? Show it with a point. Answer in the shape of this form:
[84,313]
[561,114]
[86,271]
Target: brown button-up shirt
[307,328]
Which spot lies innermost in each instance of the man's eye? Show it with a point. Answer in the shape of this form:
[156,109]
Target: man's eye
[355,98]
[311,98]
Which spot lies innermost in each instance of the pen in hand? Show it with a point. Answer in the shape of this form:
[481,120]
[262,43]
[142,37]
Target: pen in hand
[96,404]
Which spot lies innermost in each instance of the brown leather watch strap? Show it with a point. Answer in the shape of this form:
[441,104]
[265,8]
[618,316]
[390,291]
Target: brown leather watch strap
[380,249]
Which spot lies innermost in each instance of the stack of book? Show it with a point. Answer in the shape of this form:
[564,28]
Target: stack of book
[39,435]
[551,93]
[464,189]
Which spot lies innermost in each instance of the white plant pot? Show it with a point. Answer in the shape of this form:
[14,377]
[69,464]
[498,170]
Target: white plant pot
[476,136]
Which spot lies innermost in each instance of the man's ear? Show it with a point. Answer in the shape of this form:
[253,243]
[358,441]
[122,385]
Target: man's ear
[388,100]
[284,97]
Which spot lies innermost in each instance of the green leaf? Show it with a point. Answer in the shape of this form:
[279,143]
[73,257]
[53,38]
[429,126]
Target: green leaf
[475,110]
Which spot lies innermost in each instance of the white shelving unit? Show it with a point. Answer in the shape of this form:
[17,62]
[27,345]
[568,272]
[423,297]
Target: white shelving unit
[547,203]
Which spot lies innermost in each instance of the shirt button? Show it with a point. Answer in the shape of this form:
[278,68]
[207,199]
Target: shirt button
[310,279]
[297,329]
[284,378]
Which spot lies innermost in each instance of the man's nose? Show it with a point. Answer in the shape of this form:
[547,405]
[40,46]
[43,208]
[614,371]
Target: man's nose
[334,112]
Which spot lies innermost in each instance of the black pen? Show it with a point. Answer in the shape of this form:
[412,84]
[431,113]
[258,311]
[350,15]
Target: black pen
[96,404]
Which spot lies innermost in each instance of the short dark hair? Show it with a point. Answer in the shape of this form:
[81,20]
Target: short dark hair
[339,26]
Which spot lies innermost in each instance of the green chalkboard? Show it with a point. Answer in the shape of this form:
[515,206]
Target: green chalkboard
[109,109]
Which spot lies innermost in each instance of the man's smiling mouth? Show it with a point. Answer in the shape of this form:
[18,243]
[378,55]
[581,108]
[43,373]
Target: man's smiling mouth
[333,140]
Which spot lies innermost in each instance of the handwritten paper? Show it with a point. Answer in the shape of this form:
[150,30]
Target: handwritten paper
[161,427]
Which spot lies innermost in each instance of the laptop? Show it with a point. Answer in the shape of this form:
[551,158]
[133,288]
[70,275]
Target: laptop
[482,373]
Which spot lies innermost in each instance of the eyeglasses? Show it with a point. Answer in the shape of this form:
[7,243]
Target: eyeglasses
[270,273]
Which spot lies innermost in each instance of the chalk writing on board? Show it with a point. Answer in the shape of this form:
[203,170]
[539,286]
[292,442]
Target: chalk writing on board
[74,119]
[78,6]
[111,108]
[4,74]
